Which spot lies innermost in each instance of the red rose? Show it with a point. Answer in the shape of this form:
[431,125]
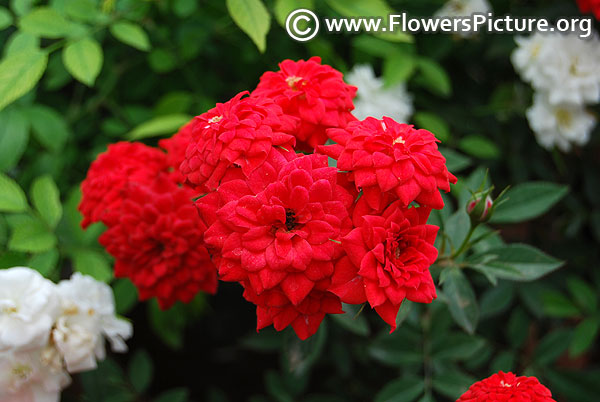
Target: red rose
[176,147]
[389,160]
[123,163]
[156,237]
[388,260]
[280,242]
[315,93]
[507,387]
[237,134]
[590,6]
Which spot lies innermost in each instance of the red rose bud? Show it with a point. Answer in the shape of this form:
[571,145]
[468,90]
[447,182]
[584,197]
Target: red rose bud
[480,209]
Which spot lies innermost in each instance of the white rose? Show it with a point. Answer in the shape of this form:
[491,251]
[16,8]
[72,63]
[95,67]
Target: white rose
[560,125]
[32,376]
[373,100]
[88,315]
[28,308]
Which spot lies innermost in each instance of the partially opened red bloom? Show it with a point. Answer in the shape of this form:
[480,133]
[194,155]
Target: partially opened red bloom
[156,237]
[590,6]
[237,134]
[389,160]
[507,387]
[388,260]
[123,163]
[314,92]
[280,242]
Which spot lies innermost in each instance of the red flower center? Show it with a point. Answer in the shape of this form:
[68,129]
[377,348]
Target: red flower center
[290,219]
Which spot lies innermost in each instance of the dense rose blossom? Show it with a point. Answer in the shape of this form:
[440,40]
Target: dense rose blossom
[122,164]
[314,92]
[561,125]
[28,308]
[590,6]
[562,65]
[175,147]
[389,160]
[507,387]
[48,331]
[373,99]
[280,243]
[237,134]
[388,260]
[88,316]
[156,237]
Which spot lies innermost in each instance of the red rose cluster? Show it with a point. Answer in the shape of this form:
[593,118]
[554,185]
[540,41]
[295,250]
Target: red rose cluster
[507,387]
[299,234]
[590,6]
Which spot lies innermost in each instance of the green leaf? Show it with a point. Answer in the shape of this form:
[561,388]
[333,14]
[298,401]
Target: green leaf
[527,201]
[125,295]
[32,236]
[371,8]
[434,123]
[402,390]
[452,383]
[517,262]
[457,347]
[517,328]
[131,34]
[44,263]
[14,136]
[46,199]
[140,370]
[404,348]
[479,147]
[173,395]
[83,60]
[552,346]
[161,125]
[583,294]
[168,324]
[398,67]
[19,41]
[19,72]
[82,10]
[455,161]
[457,227]
[558,305]
[433,77]
[12,198]
[92,263]
[6,19]
[497,299]
[284,7]
[584,336]
[45,22]
[461,299]
[350,321]
[49,127]
[253,18]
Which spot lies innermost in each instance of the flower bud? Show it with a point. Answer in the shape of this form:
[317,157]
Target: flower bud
[480,208]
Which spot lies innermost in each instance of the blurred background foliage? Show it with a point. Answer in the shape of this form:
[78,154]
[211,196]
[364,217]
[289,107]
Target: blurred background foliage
[76,75]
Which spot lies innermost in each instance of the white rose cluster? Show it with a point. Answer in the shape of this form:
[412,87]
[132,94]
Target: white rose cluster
[564,71]
[463,8]
[373,100]
[49,330]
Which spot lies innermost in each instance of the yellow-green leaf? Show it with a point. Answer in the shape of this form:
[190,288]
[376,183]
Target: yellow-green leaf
[19,72]
[253,18]
[131,34]
[83,59]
